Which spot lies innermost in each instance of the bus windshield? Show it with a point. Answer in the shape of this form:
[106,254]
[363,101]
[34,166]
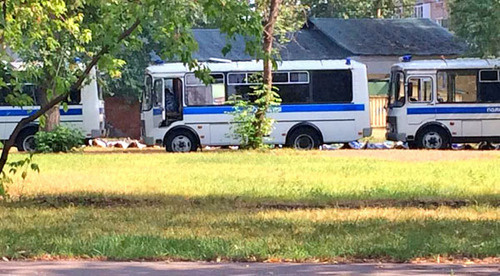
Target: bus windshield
[147,96]
[396,90]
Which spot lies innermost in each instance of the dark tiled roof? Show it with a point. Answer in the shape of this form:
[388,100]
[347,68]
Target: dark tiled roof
[212,41]
[389,36]
[307,44]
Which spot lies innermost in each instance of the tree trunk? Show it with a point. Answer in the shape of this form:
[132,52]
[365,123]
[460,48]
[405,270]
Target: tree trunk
[267,47]
[52,118]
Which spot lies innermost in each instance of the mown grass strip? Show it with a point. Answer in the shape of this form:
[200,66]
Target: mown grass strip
[218,232]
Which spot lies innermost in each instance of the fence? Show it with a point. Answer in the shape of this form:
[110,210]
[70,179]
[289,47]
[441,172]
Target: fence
[378,112]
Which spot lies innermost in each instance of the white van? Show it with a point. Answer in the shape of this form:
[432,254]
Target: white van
[433,103]
[323,101]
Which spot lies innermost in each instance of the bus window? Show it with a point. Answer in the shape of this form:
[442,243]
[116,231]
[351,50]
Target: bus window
[489,86]
[442,87]
[197,93]
[419,89]
[460,86]
[74,97]
[147,102]
[332,86]
[396,90]
[158,92]
[293,93]
[299,77]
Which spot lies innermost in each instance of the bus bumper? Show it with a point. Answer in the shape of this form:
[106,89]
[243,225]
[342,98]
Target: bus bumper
[367,132]
[396,137]
[150,141]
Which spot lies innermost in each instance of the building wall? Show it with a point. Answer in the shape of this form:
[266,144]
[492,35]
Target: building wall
[436,10]
[123,117]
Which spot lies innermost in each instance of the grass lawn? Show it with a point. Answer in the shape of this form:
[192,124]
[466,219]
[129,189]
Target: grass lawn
[238,205]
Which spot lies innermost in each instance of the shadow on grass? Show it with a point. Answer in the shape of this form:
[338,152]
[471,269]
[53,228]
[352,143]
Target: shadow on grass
[99,200]
[237,235]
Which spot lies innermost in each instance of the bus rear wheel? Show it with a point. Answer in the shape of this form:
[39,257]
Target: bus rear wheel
[180,141]
[304,139]
[433,138]
[26,140]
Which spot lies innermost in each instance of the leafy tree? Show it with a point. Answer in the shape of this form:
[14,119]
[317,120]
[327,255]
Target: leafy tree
[360,8]
[478,23]
[280,18]
[49,34]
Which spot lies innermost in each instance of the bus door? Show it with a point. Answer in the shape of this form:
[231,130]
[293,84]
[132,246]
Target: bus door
[172,95]
[419,94]
[158,106]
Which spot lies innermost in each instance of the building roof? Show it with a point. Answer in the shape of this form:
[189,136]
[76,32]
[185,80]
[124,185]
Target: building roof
[332,38]
[389,36]
[306,44]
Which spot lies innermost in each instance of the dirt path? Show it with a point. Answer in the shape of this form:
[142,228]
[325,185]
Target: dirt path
[200,268]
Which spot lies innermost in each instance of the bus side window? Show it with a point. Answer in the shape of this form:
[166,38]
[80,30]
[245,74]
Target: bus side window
[333,86]
[489,86]
[74,97]
[460,85]
[442,87]
[197,93]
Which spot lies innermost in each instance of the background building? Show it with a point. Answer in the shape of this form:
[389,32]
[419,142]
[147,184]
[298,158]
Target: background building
[435,10]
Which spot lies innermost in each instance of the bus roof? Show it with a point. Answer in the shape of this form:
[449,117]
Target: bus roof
[255,66]
[462,63]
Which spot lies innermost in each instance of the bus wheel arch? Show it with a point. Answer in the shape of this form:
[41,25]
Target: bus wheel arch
[433,136]
[181,139]
[304,136]
[25,140]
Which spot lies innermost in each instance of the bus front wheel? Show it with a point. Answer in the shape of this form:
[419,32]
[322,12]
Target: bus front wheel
[180,141]
[433,138]
[304,139]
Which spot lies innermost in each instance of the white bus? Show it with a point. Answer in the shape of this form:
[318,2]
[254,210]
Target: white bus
[85,112]
[434,103]
[323,101]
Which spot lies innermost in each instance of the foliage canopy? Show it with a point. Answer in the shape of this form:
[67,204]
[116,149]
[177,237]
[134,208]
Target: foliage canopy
[478,23]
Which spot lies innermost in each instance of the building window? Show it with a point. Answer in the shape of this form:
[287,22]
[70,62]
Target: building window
[418,11]
[442,22]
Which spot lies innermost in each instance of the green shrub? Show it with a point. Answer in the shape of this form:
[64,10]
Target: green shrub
[61,139]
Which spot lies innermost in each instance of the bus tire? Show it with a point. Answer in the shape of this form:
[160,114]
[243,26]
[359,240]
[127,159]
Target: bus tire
[433,137]
[180,141]
[304,139]
[25,140]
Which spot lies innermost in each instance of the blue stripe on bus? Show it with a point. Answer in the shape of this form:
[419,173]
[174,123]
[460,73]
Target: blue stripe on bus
[282,108]
[452,110]
[27,112]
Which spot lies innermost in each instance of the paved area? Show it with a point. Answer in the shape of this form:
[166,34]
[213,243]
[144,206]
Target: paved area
[79,268]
